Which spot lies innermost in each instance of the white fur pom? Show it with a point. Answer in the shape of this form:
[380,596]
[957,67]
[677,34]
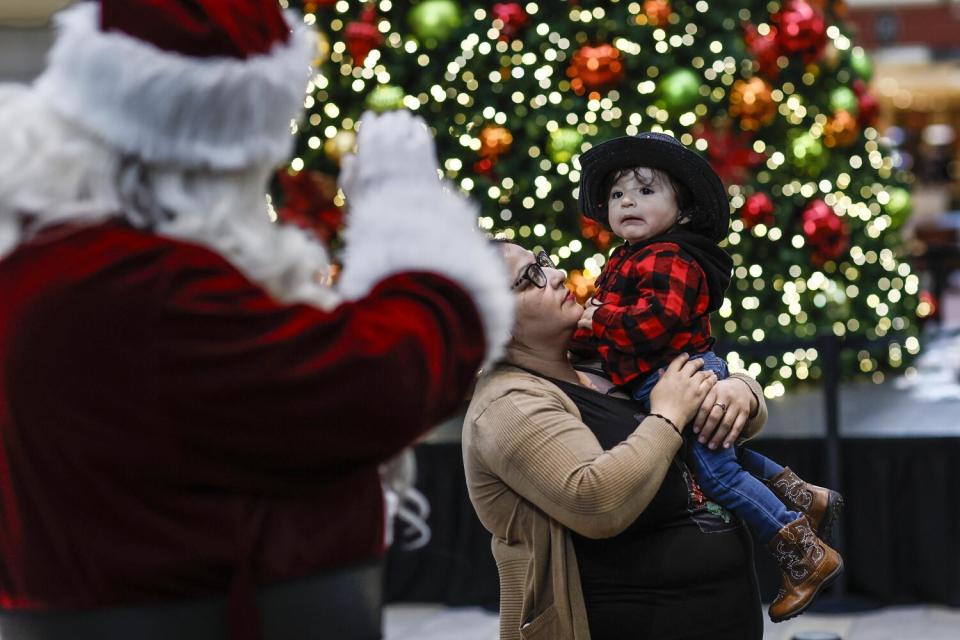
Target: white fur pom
[421,226]
[168,108]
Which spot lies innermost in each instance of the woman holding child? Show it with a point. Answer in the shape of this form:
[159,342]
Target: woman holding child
[597,526]
[600,529]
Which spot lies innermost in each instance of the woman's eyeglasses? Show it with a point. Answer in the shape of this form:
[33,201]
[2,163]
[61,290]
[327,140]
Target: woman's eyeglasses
[533,272]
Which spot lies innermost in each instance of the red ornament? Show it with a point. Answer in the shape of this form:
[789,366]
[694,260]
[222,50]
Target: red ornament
[308,203]
[595,68]
[801,30]
[513,17]
[868,109]
[730,154]
[483,167]
[758,209]
[824,231]
[362,36]
[765,49]
[592,230]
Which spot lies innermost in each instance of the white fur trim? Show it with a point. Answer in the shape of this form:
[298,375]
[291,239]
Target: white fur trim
[416,226]
[52,171]
[168,108]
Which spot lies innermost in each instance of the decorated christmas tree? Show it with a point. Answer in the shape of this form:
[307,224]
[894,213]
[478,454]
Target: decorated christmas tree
[775,94]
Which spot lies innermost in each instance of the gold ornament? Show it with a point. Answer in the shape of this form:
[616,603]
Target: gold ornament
[832,56]
[340,145]
[323,49]
[751,101]
[841,130]
[494,142]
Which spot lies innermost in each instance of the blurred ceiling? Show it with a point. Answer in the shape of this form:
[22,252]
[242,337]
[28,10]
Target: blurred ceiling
[28,13]
[930,86]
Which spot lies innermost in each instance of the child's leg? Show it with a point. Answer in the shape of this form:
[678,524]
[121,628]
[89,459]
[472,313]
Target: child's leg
[759,465]
[723,479]
[641,390]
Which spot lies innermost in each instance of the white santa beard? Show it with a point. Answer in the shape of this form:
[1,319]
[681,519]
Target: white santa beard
[52,171]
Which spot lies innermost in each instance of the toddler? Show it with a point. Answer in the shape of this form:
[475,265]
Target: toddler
[653,301]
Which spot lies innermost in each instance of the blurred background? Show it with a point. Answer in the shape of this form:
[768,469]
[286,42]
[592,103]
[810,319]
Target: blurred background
[834,127]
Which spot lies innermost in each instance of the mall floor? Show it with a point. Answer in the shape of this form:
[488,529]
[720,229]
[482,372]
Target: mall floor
[436,622]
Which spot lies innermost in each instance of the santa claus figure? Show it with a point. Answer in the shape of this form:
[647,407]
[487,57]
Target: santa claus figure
[191,421]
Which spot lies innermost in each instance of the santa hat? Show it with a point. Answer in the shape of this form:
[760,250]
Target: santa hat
[186,83]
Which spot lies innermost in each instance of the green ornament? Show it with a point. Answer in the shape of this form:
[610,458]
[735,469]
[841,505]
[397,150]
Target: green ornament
[680,89]
[899,207]
[861,64]
[385,97]
[563,144]
[434,21]
[808,154]
[844,99]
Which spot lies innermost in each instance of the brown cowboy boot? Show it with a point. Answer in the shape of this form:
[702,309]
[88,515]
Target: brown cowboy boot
[822,506]
[807,565]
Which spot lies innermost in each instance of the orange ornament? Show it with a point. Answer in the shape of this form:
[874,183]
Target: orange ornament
[841,130]
[751,101]
[657,12]
[595,68]
[596,232]
[582,286]
[494,142]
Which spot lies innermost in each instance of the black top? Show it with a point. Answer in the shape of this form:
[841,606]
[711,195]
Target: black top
[684,568]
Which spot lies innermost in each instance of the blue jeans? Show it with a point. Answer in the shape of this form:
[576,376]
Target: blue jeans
[731,478]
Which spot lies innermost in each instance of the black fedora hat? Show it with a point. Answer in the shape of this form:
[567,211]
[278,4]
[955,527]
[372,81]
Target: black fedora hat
[657,151]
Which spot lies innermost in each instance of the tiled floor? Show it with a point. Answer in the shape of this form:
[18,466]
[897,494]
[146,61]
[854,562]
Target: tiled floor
[435,622]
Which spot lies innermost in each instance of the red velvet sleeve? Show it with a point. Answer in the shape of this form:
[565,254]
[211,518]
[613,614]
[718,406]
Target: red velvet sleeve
[177,368]
[295,390]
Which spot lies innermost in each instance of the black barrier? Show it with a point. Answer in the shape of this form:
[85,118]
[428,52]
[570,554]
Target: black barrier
[829,347]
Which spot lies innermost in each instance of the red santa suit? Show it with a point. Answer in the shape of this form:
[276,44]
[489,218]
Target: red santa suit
[180,419]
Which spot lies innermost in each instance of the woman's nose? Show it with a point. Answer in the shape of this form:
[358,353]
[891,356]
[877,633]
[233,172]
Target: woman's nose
[555,277]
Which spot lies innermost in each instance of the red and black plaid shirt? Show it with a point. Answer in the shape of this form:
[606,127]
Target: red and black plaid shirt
[655,302]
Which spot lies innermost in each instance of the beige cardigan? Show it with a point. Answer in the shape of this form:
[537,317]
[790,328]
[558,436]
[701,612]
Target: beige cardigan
[534,472]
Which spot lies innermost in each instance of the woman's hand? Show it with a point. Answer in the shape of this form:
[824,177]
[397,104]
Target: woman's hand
[723,412]
[681,390]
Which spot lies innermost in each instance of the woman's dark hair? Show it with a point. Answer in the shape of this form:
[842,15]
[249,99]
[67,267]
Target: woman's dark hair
[686,206]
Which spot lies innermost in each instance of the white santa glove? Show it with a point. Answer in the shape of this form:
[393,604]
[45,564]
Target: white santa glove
[401,218]
[395,146]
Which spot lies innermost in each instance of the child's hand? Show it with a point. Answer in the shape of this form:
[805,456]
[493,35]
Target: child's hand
[586,320]
[681,390]
[723,412]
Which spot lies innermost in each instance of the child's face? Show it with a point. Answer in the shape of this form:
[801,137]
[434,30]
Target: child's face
[641,207]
